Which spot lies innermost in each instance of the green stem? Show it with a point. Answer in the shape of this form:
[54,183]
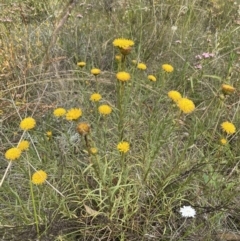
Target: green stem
[34,205]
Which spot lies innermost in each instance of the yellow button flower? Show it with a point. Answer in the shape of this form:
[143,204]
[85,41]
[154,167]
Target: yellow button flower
[95,71]
[23,145]
[123,76]
[81,64]
[167,67]
[228,127]
[152,78]
[142,66]
[13,154]
[123,146]
[104,109]
[73,114]
[186,105]
[174,95]
[95,97]
[27,123]
[39,177]
[59,112]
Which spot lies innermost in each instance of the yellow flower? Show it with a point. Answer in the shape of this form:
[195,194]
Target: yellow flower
[134,61]
[13,153]
[152,78]
[39,177]
[123,146]
[123,43]
[81,64]
[223,141]
[227,89]
[185,105]
[167,67]
[95,71]
[83,128]
[95,97]
[142,66]
[174,95]
[118,57]
[59,112]
[27,124]
[73,114]
[93,150]
[104,109]
[228,127]
[123,76]
[49,135]
[23,145]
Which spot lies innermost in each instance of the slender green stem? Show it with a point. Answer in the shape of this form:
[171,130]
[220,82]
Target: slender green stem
[34,204]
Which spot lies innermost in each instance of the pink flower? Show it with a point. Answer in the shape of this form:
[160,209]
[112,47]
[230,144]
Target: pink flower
[198,66]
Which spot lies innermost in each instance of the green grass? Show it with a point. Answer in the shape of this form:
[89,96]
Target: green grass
[175,159]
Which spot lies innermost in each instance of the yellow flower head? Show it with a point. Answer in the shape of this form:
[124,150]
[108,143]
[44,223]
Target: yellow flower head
[174,95]
[118,57]
[134,61]
[83,128]
[123,146]
[104,109]
[49,134]
[167,67]
[123,76]
[39,177]
[152,78]
[123,43]
[27,124]
[13,153]
[223,141]
[95,97]
[81,64]
[228,127]
[185,105]
[142,66]
[23,145]
[59,112]
[93,150]
[73,114]
[95,71]
[227,89]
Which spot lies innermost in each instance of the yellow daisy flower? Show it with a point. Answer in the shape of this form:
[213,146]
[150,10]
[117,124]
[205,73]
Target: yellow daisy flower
[95,71]
[223,141]
[123,146]
[93,150]
[104,109]
[167,67]
[186,105]
[23,145]
[59,112]
[39,177]
[81,64]
[152,78]
[13,154]
[27,123]
[123,76]
[228,127]
[73,114]
[174,95]
[123,43]
[142,66]
[95,97]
